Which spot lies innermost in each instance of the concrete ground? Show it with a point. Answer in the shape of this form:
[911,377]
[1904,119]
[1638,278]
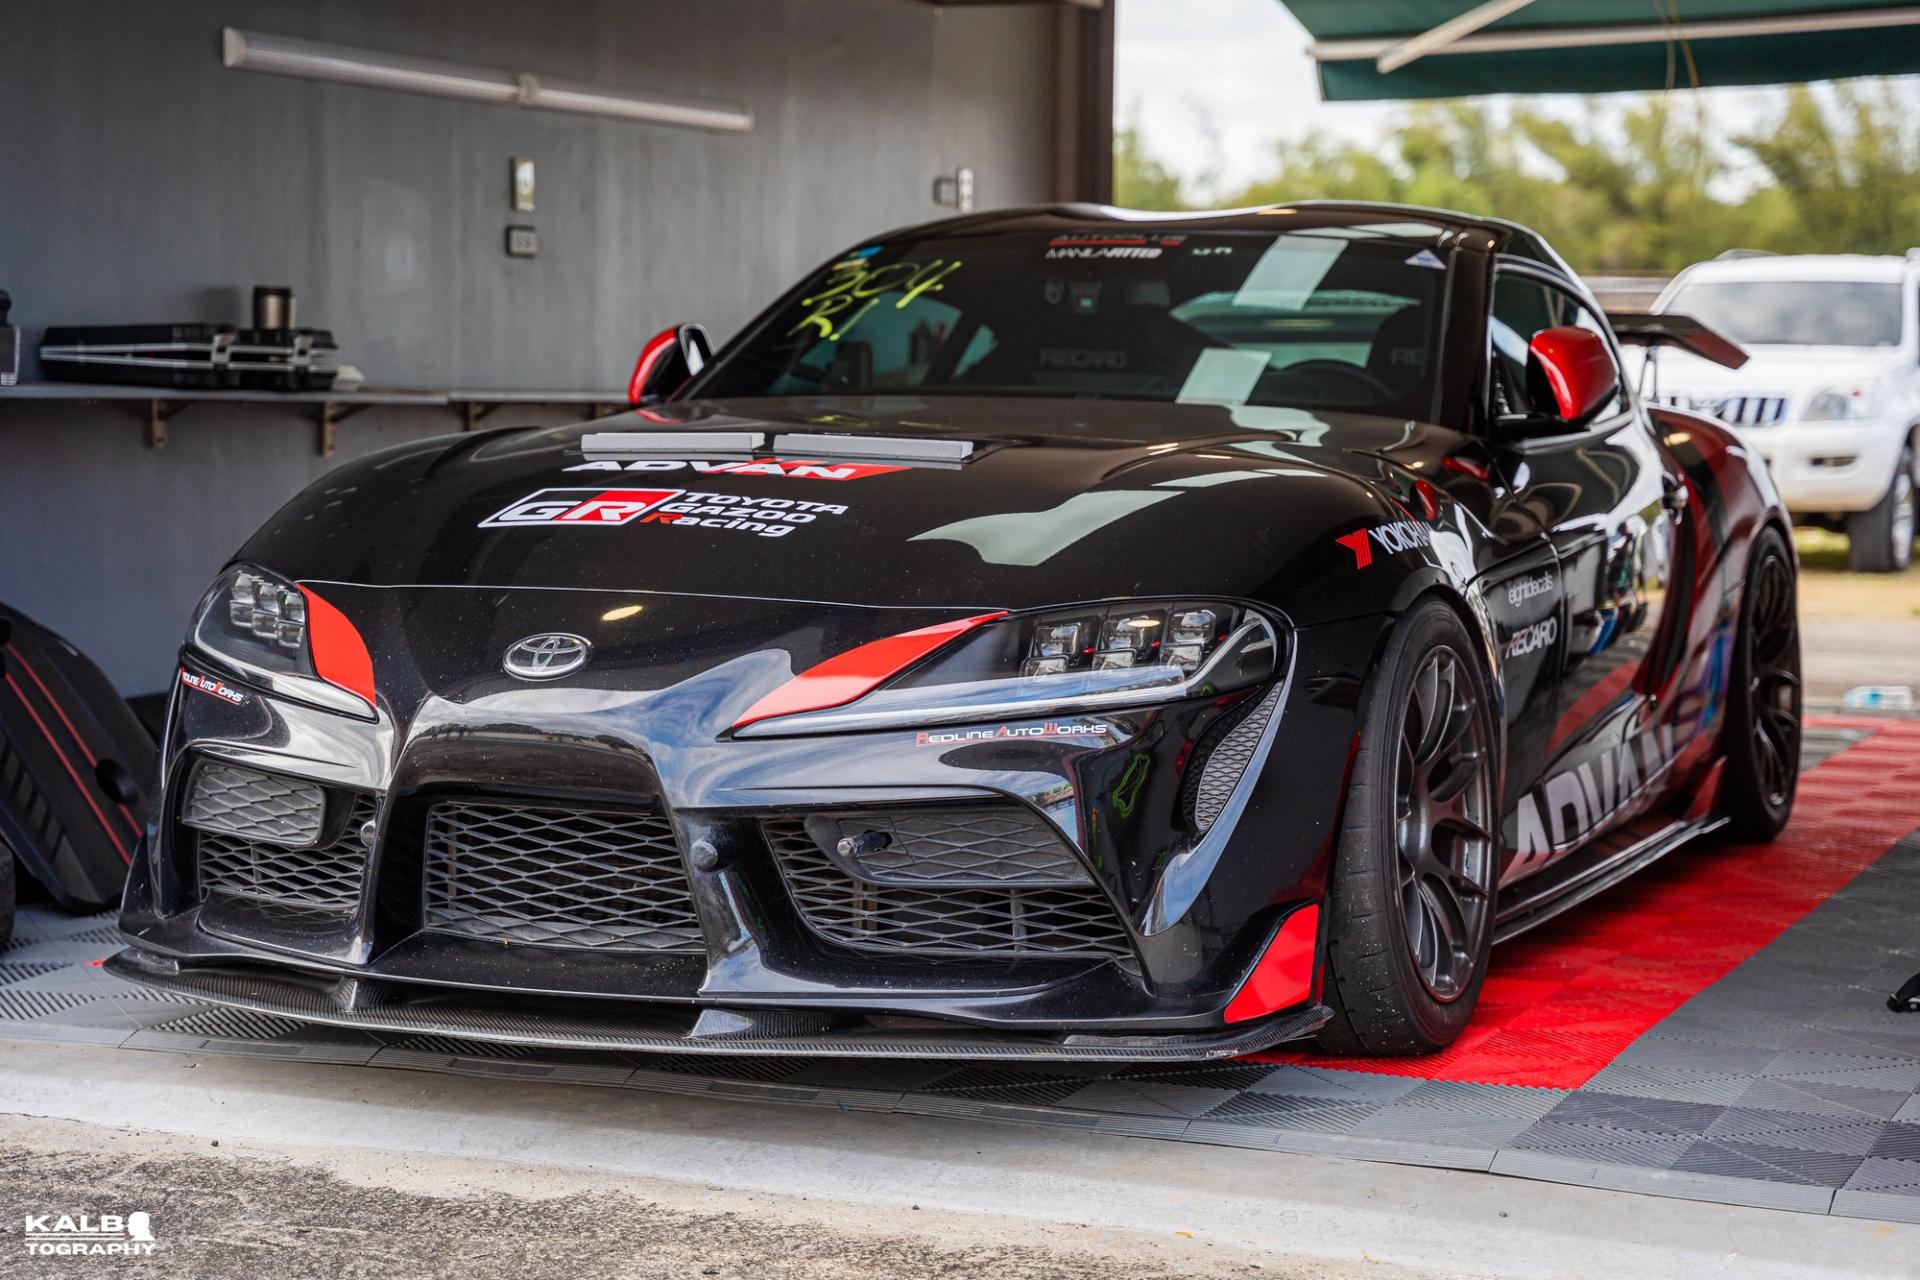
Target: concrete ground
[1856,628]
[323,1171]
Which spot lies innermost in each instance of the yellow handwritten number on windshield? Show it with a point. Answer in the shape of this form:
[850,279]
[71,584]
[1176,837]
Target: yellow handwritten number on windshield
[856,286]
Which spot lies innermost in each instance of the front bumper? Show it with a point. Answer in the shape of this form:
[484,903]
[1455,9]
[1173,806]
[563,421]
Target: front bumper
[1829,467]
[1188,919]
[655,1029]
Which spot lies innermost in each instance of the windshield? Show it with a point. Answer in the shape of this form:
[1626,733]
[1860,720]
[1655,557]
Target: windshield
[1334,319]
[1809,313]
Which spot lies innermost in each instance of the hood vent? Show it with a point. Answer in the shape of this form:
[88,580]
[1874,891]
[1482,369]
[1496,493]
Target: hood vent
[672,441]
[899,448]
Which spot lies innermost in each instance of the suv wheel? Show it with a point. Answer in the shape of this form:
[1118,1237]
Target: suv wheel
[1881,540]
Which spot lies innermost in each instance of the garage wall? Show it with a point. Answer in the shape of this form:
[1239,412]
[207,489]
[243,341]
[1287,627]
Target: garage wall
[141,180]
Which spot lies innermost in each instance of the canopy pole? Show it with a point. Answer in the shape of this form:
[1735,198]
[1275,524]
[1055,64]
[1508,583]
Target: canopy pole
[1446,33]
[1698,29]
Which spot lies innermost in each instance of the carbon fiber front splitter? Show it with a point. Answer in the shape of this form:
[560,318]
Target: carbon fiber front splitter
[672,1029]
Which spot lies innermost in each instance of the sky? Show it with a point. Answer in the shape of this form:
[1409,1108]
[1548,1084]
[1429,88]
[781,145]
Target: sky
[1212,84]
[1237,69]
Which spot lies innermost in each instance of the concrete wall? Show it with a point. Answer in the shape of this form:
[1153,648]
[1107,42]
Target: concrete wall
[141,180]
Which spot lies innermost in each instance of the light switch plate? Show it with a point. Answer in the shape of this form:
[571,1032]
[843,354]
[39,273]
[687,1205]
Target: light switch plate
[523,184]
[522,242]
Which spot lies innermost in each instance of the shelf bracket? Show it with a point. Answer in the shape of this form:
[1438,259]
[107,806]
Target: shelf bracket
[472,413]
[159,413]
[332,414]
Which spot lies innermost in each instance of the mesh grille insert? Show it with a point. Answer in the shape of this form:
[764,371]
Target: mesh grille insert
[940,920]
[558,877]
[327,878]
[256,806]
[1228,762]
[982,847]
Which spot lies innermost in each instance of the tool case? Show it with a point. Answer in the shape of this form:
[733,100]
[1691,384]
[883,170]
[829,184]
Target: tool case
[198,357]
[285,359]
[188,356]
[76,767]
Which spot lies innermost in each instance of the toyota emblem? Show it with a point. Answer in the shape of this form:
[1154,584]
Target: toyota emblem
[547,656]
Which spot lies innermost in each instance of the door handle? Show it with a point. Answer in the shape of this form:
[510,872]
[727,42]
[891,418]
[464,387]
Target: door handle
[1676,494]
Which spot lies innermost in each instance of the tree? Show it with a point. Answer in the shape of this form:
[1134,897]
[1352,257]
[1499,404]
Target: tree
[1642,181]
[1140,179]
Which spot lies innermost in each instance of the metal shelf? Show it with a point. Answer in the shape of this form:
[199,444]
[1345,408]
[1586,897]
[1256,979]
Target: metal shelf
[163,404]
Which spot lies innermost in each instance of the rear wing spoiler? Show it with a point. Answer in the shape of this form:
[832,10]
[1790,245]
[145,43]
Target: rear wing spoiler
[1650,329]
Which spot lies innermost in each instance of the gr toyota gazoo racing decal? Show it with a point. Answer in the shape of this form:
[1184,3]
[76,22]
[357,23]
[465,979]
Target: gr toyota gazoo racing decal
[586,507]
[798,470]
[677,508]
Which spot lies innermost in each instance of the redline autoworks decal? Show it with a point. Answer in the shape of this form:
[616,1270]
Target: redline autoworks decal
[591,507]
[1051,729]
[1400,535]
[798,470]
[1111,244]
[208,684]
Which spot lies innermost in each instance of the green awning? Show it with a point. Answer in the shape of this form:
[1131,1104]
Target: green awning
[1464,47]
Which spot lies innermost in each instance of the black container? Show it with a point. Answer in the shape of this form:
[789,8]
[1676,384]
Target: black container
[285,359]
[186,356]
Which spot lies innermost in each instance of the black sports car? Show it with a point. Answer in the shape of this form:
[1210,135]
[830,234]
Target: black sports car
[1058,633]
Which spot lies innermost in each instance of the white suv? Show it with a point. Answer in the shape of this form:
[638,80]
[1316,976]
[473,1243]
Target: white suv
[1830,394]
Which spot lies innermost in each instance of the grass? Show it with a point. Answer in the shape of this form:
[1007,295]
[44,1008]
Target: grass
[1829,590]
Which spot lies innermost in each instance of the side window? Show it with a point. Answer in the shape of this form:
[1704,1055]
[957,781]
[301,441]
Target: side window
[1522,307]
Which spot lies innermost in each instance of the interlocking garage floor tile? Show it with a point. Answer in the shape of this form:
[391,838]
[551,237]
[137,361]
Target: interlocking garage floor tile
[1768,1163]
[1714,1028]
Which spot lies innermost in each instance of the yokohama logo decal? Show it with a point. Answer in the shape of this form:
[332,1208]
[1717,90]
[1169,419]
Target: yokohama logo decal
[591,507]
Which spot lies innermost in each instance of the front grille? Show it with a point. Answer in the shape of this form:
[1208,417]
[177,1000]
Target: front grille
[1740,411]
[325,877]
[846,903]
[558,877]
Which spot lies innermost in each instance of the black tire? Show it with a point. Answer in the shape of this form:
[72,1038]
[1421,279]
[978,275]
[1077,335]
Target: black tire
[1382,899]
[1881,540]
[1762,742]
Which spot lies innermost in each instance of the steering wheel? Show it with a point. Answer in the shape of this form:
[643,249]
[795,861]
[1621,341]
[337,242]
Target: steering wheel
[1379,390]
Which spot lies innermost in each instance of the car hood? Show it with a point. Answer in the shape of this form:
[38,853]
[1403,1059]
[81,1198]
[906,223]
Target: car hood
[1060,500]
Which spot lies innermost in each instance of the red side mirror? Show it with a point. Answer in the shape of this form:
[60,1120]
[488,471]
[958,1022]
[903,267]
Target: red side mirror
[668,362]
[1572,369]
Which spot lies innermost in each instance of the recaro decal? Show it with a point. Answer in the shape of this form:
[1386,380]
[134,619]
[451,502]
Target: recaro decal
[796,469]
[589,507]
[1533,638]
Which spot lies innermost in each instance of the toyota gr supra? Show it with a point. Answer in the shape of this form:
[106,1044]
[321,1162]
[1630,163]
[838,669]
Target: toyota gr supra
[1059,633]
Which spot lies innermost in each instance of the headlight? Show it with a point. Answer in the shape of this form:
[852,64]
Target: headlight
[1842,403]
[256,624]
[1083,659]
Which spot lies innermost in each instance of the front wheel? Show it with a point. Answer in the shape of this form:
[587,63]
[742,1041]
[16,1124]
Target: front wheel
[1881,540]
[1411,901]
